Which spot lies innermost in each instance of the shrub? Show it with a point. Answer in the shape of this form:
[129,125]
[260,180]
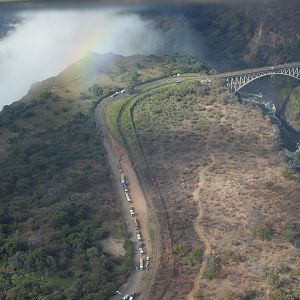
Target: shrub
[290,236]
[198,296]
[12,246]
[270,185]
[211,267]
[68,214]
[265,232]
[229,295]
[249,295]
[288,174]
[96,90]
[188,256]
[208,273]
[38,260]
[282,268]
[273,280]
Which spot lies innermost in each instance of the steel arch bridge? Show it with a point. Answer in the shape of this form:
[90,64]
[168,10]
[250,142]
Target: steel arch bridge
[237,80]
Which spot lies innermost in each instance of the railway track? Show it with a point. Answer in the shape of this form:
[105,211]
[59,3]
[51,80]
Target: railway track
[163,267]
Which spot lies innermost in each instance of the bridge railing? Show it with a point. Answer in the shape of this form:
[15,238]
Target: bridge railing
[256,70]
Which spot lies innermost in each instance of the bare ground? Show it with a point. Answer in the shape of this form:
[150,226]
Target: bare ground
[113,246]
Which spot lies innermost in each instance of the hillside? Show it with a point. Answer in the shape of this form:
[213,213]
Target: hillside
[231,204]
[58,202]
[246,34]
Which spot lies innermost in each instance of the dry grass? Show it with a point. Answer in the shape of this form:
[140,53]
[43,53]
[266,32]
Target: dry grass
[237,153]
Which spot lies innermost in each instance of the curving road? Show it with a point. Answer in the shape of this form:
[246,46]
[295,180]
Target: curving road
[114,153]
[118,158]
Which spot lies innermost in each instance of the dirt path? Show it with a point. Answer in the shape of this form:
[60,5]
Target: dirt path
[118,158]
[135,191]
[197,223]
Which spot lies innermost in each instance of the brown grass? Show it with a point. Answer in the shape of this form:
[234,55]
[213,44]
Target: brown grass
[239,152]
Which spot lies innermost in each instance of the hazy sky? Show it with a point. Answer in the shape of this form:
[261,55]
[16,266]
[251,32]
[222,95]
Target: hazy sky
[49,40]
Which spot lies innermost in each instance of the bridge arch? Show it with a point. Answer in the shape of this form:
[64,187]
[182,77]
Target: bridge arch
[240,80]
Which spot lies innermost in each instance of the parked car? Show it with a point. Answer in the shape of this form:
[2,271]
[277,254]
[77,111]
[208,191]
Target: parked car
[131,210]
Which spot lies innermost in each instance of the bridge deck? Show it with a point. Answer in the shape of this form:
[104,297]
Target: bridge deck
[252,71]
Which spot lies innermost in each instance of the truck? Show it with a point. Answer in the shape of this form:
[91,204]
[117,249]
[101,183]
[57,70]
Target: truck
[136,224]
[141,264]
[147,263]
[127,196]
[122,176]
[141,250]
[124,183]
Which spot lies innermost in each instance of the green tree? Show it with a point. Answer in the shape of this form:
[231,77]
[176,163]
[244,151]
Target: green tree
[68,213]
[96,90]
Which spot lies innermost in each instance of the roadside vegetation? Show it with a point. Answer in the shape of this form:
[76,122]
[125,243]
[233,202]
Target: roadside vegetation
[113,113]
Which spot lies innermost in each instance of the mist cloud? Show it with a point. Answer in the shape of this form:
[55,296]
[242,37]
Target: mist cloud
[49,40]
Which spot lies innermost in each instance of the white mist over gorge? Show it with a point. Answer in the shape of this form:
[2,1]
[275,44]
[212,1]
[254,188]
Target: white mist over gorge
[47,41]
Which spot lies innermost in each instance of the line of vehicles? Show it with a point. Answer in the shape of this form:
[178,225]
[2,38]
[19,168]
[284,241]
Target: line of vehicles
[117,93]
[127,297]
[143,263]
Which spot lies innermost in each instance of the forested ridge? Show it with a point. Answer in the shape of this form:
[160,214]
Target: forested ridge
[56,205]
[58,202]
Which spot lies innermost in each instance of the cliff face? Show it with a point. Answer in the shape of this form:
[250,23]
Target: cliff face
[236,34]
[277,34]
[253,35]
[256,34]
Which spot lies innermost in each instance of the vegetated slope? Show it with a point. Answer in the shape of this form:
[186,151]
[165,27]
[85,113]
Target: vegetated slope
[295,107]
[237,34]
[257,33]
[198,136]
[58,204]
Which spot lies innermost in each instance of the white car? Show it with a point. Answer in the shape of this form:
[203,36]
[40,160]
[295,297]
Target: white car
[127,197]
[131,211]
[125,297]
[141,250]
[139,237]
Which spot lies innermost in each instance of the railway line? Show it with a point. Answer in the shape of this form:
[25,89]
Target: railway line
[161,271]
